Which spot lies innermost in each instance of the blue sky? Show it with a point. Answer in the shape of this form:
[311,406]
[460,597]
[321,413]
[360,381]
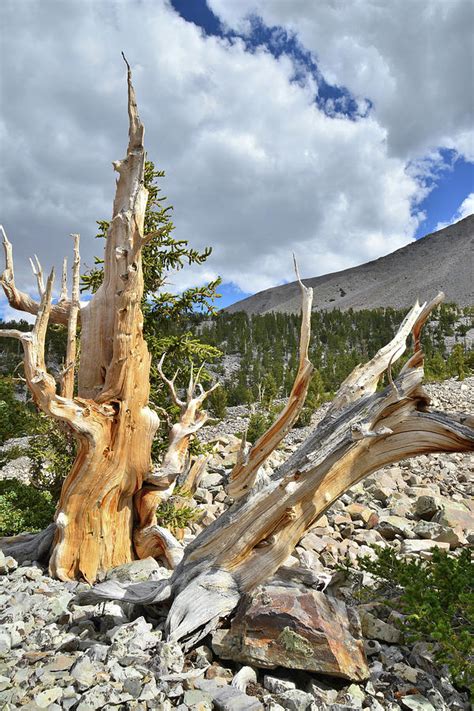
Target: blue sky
[340,131]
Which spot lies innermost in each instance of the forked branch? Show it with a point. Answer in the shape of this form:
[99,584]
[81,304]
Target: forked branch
[42,384]
[149,538]
[20,300]
[365,377]
[191,419]
[37,270]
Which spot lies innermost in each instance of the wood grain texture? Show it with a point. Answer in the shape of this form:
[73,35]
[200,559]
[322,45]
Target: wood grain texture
[366,430]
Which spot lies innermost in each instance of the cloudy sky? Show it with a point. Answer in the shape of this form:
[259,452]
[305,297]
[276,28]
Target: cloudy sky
[338,129]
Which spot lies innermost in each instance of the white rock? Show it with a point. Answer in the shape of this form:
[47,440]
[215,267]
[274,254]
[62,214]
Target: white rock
[276,685]
[418,546]
[416,702]
[5,643]
[47,697]
[374,628]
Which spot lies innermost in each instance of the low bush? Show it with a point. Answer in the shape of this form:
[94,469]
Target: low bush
[16,417]
[436,598]
[176,513]
[23,508]
[52,455]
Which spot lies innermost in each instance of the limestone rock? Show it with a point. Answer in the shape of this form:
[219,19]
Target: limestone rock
[437,532]
[421,546]
[416,702]
[228,698]
[296,700]
[288,627]
[391,526]
[373,628]
[427,506]
[84,672]
[455,516]
[48,696]
[276,685]
[135,571]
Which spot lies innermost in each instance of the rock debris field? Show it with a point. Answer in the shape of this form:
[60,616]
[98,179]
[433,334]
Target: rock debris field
[301,641]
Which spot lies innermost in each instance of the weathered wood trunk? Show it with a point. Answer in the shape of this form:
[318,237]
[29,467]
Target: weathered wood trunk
[109,417]
[95,514]
[106,512]
[363,431]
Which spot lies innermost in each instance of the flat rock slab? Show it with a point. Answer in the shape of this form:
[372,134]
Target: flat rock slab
[296,629]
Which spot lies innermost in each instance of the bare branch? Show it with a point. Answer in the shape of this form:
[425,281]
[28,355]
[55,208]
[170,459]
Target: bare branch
[170,383]
[67,383]
[19,300]
[417,358]
[364,378]
[37,270]
[41,323]
[42,384]
[13,333]
[245,471]
[63,292]
[191,419]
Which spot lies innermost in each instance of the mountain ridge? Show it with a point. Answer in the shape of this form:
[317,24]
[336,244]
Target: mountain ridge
[439,261]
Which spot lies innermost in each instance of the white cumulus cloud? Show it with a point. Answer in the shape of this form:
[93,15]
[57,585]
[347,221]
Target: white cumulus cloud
[465,209]
[413,60]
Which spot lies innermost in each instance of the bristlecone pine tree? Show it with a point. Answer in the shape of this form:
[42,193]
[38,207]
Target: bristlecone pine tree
[106,512]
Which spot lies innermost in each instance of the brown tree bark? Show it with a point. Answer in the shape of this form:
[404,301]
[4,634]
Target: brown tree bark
[104,497]
[110,417]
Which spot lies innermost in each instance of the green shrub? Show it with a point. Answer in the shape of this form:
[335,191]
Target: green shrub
[23,508]
[175,513]
[16,418]
[258,424]
[52,455]
[456,363]
[218,402]
[436,597]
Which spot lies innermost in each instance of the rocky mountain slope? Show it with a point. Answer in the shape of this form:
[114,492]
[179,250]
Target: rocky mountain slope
[56,655]
[441,261]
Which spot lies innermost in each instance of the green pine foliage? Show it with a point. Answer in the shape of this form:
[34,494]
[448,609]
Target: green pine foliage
[52,453]
[17,418]
[177,512]
[258,424]
[260,421]
[169,318]
[24,508]
[268,349]
[217,403]
[436,599]
[456,363]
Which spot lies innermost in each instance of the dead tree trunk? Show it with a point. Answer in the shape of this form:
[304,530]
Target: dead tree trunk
[106,511]
[109,417]
[363,431]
